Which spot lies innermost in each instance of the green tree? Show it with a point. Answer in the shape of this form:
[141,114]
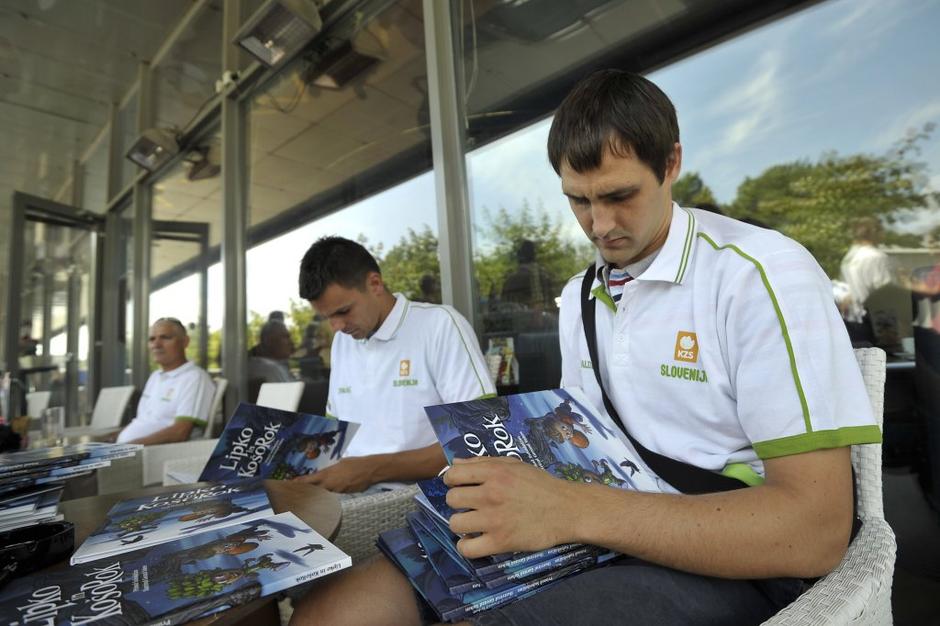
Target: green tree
[500,234]
[816,203]
[690,190]
[408,261]
[300,316]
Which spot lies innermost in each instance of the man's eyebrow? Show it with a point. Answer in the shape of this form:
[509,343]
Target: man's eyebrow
[629,190]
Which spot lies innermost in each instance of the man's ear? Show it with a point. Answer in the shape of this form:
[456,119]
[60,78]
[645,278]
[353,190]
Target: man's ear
[374,283]
[674,166]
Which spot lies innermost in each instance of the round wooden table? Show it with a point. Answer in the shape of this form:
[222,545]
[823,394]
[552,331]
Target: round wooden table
[317,507]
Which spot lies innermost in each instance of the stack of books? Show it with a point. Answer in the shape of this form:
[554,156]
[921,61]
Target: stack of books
[558,431]
[176,557]
[31,481]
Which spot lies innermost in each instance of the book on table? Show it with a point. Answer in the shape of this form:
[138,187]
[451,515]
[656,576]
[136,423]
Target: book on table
[269,443]
[556,430]
[151,520]
[177,581]
[31,480]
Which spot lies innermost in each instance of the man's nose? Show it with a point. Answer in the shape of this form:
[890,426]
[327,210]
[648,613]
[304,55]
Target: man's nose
[602,220]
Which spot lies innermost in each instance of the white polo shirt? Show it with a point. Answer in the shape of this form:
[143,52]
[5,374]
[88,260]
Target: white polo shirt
[182,393]
[726,350]
[422,354]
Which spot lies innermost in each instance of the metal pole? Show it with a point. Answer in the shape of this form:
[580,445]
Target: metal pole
[204,301]
[14,288]
[234,217]
[448,145]
[115,158]
[73,308]
[143,232]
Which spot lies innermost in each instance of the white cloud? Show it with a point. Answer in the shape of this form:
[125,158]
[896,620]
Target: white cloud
[911,119]
[753,104]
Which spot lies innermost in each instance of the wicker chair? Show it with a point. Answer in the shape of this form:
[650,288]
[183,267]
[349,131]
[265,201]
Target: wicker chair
[367,516]
[858,591]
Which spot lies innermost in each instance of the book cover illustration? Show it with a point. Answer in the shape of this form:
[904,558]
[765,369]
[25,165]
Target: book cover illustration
[403,549]
[176,582]
[142,522]
[269,443]
[556,430]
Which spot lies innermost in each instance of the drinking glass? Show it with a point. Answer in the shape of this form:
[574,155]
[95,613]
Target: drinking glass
[53,425]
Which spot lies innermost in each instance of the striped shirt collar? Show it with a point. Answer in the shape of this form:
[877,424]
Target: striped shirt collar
[673,258]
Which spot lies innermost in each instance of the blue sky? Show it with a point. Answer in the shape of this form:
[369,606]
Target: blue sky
[849,75]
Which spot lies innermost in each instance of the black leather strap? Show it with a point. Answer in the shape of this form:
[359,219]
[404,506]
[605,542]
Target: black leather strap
[684,477]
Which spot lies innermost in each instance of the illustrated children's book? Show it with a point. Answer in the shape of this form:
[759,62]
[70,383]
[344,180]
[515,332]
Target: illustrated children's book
[147,521]
[557,430]
[269,443]
[175,582]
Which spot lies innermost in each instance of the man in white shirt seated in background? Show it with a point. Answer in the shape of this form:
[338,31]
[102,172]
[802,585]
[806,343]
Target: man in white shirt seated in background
[390,358]
[177,396]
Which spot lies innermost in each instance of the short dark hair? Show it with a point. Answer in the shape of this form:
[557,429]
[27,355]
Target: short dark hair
[334,260]
[618,110]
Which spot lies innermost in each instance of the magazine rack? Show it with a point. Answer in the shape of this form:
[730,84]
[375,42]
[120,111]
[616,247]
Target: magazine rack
[858,591]
[367,516]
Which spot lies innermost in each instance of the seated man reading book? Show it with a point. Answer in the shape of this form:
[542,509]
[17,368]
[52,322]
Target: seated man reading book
[177,396]
[720,349]
[390,358]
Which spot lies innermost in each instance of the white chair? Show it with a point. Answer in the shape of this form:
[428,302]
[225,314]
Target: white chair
[156,458]
[283,396]
[221,385]
[858,591]
[107,414]
[37,402]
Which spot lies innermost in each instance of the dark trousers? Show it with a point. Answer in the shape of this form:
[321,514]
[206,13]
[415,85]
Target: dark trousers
[630,591]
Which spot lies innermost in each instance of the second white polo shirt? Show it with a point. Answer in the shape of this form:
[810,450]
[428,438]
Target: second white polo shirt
[422,354]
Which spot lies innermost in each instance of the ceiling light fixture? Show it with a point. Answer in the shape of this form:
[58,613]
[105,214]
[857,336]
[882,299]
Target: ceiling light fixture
[279,29]
[153,148]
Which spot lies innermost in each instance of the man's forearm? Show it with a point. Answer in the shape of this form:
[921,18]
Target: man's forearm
[179,431]
[408,466]
[757,532]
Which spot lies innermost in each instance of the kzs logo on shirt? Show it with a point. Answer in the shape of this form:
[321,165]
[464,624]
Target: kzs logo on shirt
[404,367]
[686,346]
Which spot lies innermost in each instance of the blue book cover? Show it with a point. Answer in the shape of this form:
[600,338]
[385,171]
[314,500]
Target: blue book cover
[269,443]
[557,430]
[175,582]
[402,548]
[143,522]
[453,571]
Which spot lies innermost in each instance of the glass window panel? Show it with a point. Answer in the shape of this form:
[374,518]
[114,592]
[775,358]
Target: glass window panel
[309,140]
[184,80]
[770,133]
